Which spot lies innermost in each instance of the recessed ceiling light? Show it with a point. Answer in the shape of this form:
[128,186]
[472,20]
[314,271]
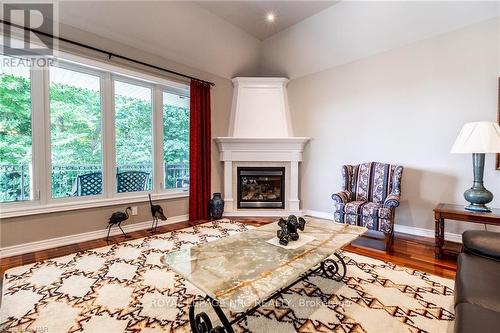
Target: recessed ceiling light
[270,17]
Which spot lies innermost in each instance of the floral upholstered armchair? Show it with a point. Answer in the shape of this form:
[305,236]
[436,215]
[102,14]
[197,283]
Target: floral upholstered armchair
[370,193]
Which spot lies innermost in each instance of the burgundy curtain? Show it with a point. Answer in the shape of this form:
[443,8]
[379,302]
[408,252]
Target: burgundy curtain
[200,141]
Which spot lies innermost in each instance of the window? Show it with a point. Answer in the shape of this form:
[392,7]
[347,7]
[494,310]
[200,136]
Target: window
[134,137]
[15,131]
[75,129]
[176,140]
[77,133]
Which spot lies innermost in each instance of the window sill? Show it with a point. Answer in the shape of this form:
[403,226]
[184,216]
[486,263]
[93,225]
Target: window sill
[34,209]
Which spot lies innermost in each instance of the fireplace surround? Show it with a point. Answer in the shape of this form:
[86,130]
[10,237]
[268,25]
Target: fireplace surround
[261,136]
[261,187]
[261,153]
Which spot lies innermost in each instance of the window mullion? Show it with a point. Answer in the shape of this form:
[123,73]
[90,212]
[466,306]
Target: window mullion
[158,168]
[108,136]
[41,134]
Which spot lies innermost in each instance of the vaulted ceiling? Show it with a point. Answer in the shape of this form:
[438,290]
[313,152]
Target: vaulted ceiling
[233,38]
[251,15]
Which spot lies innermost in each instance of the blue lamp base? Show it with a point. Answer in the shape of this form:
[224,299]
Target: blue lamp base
[478,208]
[478,195]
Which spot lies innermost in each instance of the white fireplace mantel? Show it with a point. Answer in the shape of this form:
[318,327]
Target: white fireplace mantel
[261,135]
[262,152]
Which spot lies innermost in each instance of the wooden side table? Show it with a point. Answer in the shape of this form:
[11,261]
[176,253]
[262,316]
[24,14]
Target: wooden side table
[458,213]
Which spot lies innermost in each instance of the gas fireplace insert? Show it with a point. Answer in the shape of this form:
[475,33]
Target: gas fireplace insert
[261,187]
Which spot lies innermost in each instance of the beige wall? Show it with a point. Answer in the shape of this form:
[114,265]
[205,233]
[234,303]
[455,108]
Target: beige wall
[26,229]
[404,106]
[353,30]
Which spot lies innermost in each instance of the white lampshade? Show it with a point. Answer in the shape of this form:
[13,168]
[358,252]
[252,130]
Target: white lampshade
[478,137]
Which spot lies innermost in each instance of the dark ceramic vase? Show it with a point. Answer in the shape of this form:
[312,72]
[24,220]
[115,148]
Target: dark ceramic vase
[216,206]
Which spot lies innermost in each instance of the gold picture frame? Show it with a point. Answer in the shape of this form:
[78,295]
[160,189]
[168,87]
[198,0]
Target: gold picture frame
[498,120]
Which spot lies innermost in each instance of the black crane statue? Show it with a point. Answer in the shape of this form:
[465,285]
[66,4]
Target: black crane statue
[289,229]
[157,213]
[116,219]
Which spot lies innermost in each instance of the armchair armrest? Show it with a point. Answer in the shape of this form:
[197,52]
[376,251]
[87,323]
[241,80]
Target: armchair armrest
[342,197]
[392,200]
[482,243]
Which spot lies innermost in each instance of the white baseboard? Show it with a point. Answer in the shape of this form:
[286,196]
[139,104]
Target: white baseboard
[86,236]
[397,227]
[263,213]
[319,215]
[427,233]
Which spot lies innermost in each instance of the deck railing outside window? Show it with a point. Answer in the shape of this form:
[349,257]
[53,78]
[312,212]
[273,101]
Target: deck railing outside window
[15,178]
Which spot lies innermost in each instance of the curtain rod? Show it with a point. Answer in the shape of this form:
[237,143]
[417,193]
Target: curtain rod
[109,54]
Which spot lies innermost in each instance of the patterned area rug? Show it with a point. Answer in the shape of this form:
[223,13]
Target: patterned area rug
[124,288]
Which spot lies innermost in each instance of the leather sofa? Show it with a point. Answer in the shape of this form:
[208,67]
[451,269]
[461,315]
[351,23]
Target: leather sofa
[477,283]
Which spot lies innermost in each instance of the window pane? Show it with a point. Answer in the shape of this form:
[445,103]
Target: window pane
[15,130]
[134,142]
[176,140]
[75,130]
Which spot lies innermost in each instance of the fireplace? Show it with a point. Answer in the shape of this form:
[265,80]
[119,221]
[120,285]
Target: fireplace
[261,155]
[260,187]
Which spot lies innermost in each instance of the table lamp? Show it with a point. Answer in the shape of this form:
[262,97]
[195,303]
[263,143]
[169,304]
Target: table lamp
[478,138]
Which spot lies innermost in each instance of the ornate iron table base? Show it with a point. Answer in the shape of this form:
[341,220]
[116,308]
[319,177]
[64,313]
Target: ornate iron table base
[201,323]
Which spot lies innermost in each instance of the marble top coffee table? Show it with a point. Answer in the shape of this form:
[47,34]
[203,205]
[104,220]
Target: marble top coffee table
[242,271]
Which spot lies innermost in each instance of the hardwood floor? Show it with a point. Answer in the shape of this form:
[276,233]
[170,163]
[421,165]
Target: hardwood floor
[410,251]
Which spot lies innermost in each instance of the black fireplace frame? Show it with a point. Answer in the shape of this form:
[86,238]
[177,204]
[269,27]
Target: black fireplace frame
[256,204]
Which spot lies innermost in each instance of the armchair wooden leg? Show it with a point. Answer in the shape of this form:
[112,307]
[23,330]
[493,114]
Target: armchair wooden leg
[389,237]
[389,241]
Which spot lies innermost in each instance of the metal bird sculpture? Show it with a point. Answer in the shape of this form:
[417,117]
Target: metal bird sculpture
[157,213]
[116,219]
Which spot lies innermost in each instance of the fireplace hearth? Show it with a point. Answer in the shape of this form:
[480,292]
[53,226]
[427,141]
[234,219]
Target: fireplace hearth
[261,187]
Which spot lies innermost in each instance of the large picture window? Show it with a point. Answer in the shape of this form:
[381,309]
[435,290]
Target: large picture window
[134,137]
[15,132]
[75,128]
[176,140]
[79,132]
